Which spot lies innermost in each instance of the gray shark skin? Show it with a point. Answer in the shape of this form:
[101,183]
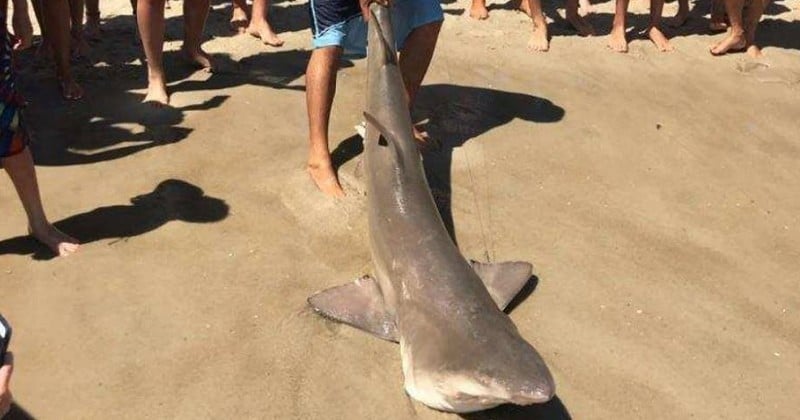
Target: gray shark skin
[460,352]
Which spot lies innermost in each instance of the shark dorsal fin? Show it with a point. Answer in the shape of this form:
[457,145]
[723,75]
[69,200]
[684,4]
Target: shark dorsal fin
[503,280]
[389,136]
[358,304]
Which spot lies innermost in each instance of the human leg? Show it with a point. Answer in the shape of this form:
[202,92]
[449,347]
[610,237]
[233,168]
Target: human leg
[259,24]
[735,39]
[150,19]
[320,90]
[618,41]
[195,14]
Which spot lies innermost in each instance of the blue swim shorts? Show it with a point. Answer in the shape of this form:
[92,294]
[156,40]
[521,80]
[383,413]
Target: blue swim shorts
[339,23]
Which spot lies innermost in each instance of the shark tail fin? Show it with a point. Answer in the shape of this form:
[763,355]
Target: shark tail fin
[503,280]
[358,304]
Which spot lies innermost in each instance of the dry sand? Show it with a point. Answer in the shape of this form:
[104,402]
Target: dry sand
[656,195]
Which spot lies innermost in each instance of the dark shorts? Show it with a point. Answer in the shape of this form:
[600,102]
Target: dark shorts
[338,23]
[13,138]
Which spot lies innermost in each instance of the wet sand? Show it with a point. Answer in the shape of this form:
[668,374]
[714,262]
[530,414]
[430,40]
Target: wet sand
[655,194]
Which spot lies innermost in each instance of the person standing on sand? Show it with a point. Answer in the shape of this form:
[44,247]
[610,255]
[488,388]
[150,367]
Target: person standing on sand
[578,22]
[716,24]
[150,18]
[93,17]
[258,25]
[62,35]
[540,40]
[744,16]
[618,40]
[15,156]
[338,27]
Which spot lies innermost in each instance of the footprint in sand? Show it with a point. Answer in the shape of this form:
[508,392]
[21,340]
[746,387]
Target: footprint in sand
[314,211]
[765,72]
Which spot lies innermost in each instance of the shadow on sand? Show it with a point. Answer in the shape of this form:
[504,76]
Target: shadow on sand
[771,32]
[552,410]
[112,123]
[172,200]
[18,413]
[460,113]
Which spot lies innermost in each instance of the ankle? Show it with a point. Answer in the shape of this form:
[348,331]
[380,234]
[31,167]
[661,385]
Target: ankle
[156,81]
[192,47]
[317,157]
[259,21]
[38,226]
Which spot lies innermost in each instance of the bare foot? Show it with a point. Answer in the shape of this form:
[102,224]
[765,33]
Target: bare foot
[479,11]
[239,20]
[617,40]
[60,243]
[661,41]
[70,89]
[324,177]
[754,51]
[263,31]
[538,41]
[581,25]
[198,58]
[679,19]
[732,42]
[156,93]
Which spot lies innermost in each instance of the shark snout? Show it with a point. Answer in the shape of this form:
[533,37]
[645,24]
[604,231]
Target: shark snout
[539,393]
[462,393]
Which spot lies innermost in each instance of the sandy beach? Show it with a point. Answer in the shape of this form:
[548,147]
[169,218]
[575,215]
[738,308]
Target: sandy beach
[655,193]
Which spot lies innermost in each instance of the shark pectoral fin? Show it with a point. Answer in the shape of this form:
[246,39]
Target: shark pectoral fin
[358,304]
[503,280]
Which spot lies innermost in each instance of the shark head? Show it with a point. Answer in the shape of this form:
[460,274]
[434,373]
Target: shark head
[522,381]
[467,393]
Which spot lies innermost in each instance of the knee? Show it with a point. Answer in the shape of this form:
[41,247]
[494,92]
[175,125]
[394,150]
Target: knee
[325,57]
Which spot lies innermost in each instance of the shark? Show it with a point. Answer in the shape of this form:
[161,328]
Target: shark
[460,352]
